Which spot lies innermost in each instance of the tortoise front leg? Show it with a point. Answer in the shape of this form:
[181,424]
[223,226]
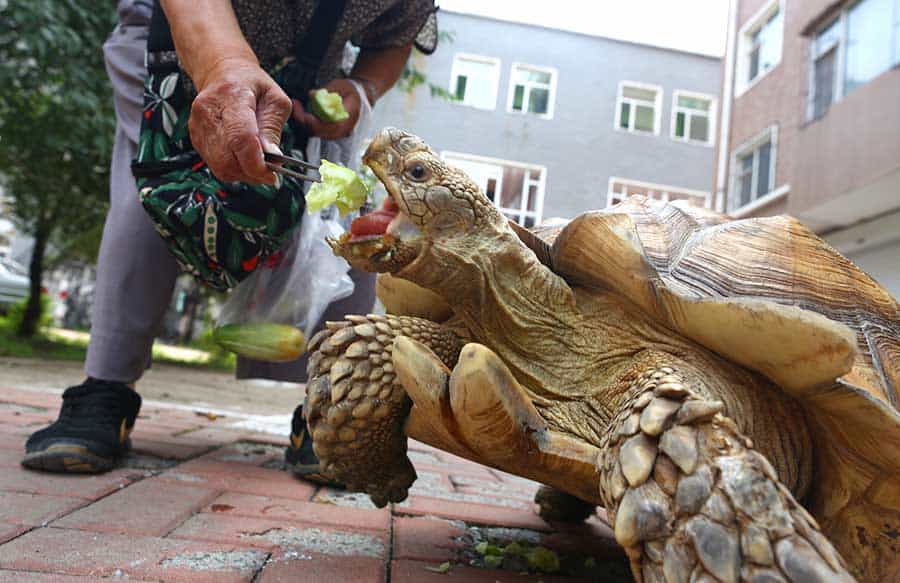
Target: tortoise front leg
[691,500]
[355,407]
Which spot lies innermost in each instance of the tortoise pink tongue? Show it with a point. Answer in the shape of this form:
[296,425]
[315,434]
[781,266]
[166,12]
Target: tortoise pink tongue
[374,223]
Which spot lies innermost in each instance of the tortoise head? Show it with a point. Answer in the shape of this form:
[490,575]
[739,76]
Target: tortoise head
[430,206]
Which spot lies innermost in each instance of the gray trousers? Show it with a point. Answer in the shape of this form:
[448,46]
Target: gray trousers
[135,271]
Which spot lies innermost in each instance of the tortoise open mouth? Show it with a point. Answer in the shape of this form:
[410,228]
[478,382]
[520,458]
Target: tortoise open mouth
[375,239]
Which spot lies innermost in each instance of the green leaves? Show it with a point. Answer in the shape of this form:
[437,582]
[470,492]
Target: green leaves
[56,116]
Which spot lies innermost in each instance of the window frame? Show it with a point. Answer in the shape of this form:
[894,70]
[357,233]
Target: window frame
[495,82]
[712,114]
[840,44]
[663,189]
[522,212]
[751,146]
[551,99]
[657,108]
[745,45]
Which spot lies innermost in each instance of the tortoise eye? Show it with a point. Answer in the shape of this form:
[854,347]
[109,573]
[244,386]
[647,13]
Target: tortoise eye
[417,171]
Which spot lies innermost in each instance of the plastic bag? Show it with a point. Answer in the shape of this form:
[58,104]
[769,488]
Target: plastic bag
[296,284]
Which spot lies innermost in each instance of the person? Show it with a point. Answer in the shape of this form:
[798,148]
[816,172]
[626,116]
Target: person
[225,48]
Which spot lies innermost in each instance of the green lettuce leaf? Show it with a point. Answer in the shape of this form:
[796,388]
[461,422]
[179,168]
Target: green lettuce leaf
[340,186]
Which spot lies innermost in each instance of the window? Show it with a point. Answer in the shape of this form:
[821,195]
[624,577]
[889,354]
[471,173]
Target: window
[517,189]
[753,170]
[862,42]
[638,107]
[621,188]
[760,41]
[532,90]
[871,26]
[693,116]
[474,79]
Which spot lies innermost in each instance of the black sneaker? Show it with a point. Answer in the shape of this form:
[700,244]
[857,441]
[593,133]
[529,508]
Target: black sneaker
[91,433]
[299,455]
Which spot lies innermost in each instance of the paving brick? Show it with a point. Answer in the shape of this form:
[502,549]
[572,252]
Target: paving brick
[274,534]
[470,512]
[10,457]
[268,507]
[418,572]
[427,539]
[142,508]
[168,448]
[296,567]
[10,531]
[74,552]
[49,400]
[32,577]
[34,509]
[78,486]
[250,480]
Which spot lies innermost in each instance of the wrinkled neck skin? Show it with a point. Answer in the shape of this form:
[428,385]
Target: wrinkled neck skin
[516,306]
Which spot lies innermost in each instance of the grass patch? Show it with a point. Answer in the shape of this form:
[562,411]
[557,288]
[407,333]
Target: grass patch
[48,345]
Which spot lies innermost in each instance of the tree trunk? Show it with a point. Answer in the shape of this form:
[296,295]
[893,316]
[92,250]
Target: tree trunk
[31,318]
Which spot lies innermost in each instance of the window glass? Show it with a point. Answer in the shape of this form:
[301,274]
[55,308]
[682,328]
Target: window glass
[869,50]
[539,100]
[639,93]
[644,118]
[763,165]
[476,82]
[823,74]
[770,40]
[699,128]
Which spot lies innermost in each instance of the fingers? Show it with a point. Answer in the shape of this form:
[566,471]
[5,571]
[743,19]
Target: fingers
[273,110]
[235,118]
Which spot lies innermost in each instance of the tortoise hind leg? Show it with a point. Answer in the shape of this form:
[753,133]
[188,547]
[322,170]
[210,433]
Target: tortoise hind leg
[355,406]
[691,500]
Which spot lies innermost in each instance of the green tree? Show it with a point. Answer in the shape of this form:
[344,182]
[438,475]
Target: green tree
[56,125]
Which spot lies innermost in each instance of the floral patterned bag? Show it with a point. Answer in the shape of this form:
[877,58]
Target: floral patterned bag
[218,231]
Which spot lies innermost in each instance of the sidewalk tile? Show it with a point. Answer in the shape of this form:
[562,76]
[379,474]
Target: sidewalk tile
[78,486]
[143,509]
[168,448]
[418,572]
[426,539]
[275,534]
[33,577]
[34,509]
[269,507]
[250,480]
[471,512]
[10,531]
[76,552]
[296,567]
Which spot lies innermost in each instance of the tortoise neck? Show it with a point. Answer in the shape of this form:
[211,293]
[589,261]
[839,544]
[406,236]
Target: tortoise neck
[509,301]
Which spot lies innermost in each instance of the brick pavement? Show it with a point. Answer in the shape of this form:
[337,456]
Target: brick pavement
[200,500]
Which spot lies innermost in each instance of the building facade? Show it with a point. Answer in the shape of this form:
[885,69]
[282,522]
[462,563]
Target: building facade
[552,123]
[810,122]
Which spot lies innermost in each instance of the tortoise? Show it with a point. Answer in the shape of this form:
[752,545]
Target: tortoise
[726,389]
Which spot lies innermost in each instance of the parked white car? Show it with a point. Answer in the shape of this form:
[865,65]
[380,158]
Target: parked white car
[14,282]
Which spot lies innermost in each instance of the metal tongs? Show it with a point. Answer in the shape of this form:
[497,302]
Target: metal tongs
[273,161]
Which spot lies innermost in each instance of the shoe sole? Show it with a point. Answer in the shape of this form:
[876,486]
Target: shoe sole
[64,458]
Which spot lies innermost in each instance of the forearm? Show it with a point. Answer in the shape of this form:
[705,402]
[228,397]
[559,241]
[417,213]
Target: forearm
[381,68]
[206,33]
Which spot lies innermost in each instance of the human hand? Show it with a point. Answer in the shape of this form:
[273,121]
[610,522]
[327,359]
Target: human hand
[237,115]
[331,130]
